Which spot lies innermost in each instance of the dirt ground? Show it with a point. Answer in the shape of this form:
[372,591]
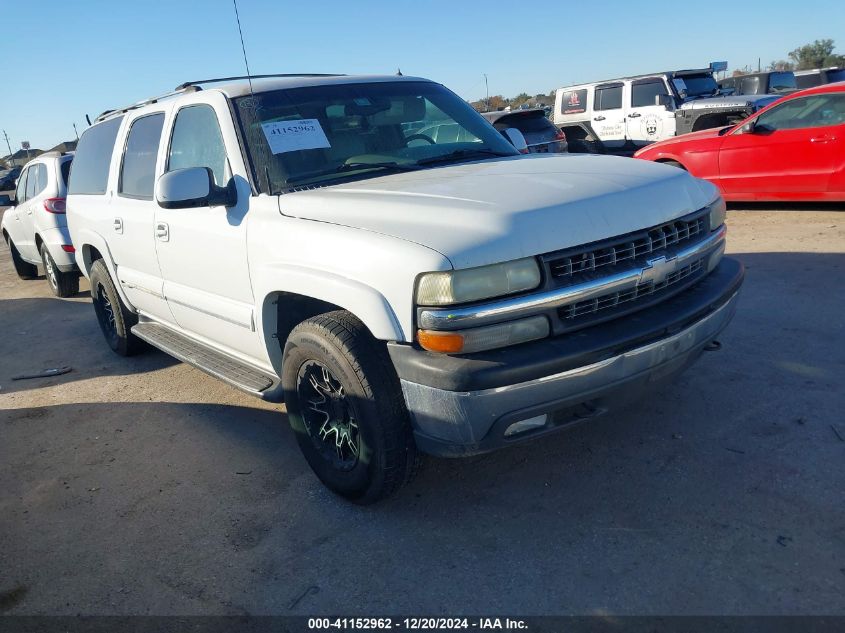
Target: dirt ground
[143,486]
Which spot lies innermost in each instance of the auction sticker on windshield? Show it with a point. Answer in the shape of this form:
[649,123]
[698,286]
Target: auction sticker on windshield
[295,135]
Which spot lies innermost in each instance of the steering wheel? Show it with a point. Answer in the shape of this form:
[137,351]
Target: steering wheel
[422,137]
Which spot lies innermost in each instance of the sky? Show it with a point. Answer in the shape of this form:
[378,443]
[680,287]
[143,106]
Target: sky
[65,59]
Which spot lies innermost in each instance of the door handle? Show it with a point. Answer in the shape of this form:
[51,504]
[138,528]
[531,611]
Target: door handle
[599,118]
[162,231]
[634,115]
[822,139]
[118,225]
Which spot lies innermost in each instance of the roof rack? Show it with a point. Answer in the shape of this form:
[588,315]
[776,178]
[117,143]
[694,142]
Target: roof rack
[188,84]
[166,95]
[193,86]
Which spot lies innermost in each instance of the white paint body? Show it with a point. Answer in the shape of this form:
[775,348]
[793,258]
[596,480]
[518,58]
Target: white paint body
[28,223]
[614,127]
[359,245]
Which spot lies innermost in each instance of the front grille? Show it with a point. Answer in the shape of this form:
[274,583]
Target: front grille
[643,293]
[586,263]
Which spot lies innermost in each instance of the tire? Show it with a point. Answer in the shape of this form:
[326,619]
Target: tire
[114,317]
[346,408]
[24,269]
[673,163]
[62,284]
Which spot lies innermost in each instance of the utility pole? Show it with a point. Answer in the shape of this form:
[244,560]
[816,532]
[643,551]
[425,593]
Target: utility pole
[76,132]
[7,144]
[487,88]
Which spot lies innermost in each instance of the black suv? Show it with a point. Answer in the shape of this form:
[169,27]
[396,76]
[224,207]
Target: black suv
[773,82]
[541,135]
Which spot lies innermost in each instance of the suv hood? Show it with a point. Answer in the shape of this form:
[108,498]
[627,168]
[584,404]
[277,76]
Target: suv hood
[501,209]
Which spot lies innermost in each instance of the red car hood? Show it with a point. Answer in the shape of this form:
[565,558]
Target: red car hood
[683,138]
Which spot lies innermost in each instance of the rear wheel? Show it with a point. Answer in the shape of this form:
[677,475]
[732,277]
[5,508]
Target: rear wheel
[62,284]
[24,269]
[673,163]
[114,317]
[346,407]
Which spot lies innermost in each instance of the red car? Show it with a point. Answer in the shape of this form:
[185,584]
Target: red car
[794,149]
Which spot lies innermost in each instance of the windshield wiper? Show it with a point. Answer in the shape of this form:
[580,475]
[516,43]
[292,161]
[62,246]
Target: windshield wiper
[384,166]
[460,153]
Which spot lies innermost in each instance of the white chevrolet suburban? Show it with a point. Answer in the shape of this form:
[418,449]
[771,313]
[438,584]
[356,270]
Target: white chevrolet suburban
[301,239]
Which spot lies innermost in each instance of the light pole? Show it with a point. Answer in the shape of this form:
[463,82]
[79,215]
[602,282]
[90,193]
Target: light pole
[487,88]
[7,144]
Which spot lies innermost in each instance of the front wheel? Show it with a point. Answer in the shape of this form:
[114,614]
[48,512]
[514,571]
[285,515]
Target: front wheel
[114,317]
[346,408]
[62,284]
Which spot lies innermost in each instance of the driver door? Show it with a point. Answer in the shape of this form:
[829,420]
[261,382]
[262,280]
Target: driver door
[648,121]
[792,149]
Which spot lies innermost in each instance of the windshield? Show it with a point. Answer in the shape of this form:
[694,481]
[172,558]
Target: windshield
[323,134]
[696,86]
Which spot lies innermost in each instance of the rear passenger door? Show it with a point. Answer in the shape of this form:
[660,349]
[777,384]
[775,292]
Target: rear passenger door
[15,227]
[202,250]
[132,213]
[36,182]
[609,115]
[647,122]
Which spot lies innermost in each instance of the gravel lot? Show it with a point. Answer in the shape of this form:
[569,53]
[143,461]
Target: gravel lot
[143,486]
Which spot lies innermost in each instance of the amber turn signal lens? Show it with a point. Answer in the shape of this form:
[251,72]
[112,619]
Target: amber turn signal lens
[443,342]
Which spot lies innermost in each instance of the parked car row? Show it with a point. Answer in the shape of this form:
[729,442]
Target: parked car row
[407,275]
[8,178]
[628,113]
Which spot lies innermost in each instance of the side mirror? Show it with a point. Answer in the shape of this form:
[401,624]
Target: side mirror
[664,100]
[516,139]
[193,187]
[749,128]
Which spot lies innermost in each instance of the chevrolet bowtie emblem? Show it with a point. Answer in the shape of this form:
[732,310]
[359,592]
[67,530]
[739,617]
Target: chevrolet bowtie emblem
[658,269]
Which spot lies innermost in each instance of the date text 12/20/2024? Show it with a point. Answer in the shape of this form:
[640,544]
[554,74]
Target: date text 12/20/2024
[415,624]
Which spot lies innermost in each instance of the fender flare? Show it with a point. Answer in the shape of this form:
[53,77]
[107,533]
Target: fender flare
[365,302]
[88,239]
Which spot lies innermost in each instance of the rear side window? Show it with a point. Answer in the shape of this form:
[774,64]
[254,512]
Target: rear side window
[644,93]
[608,97]
[90,173]
[778,82]
[37,180]
[137,172]
[65,168]
[573,101]
[808,81]
[198,142]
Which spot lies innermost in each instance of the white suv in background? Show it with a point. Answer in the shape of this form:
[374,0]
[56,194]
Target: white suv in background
[36,229]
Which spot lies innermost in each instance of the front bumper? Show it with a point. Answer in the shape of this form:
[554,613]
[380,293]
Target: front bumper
[464,405]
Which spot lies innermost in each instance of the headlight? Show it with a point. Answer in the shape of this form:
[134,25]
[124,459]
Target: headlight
[473,284]
[718,213]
